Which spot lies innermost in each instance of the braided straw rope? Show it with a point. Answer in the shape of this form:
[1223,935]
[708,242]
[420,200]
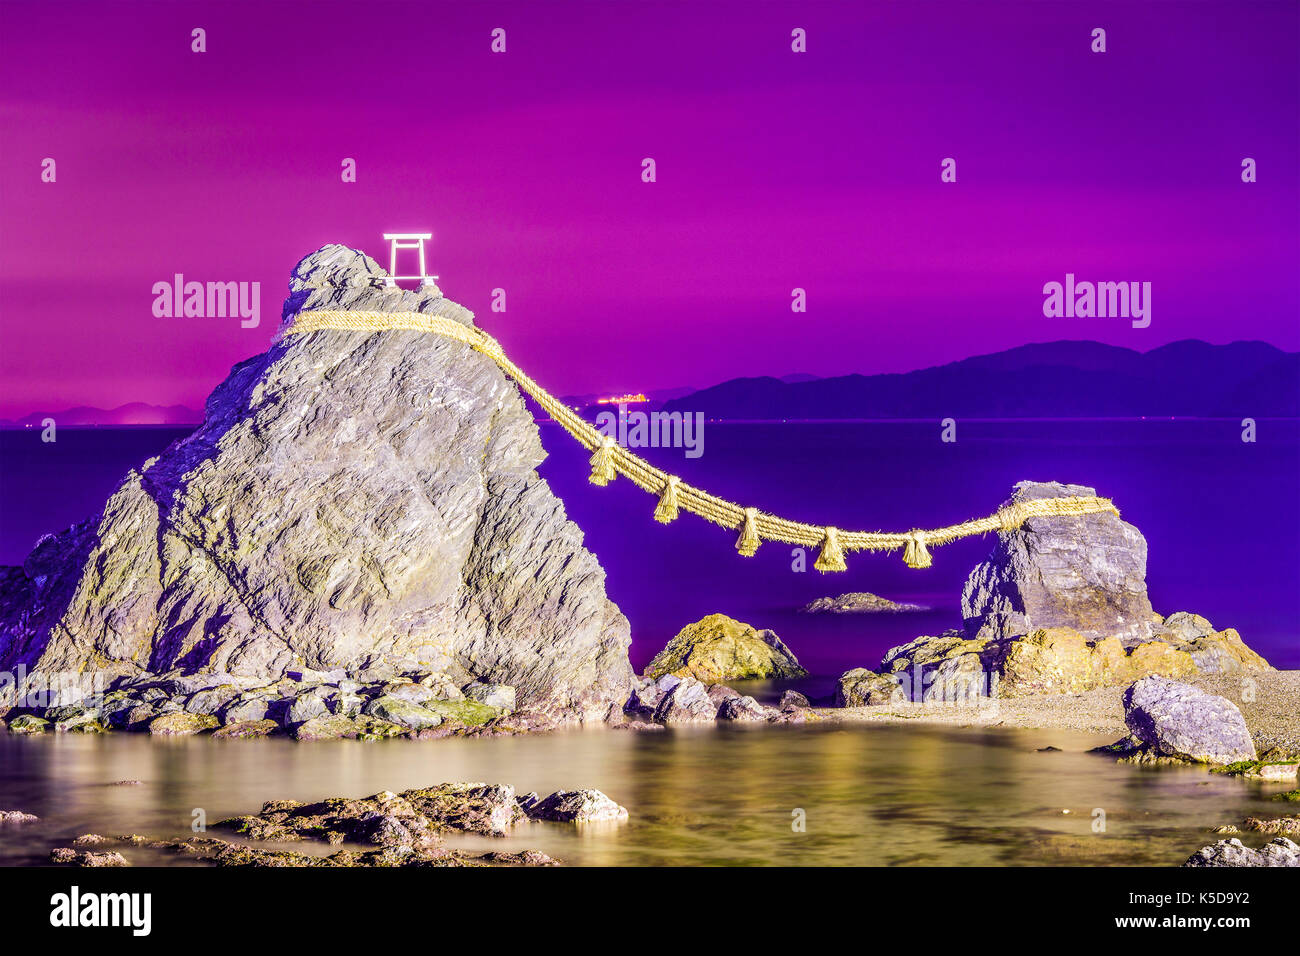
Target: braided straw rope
[610,459]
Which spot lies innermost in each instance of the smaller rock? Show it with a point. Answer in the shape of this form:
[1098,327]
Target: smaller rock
[304,708]
[578,806]
[686,703]
[67,856]
[212,700]
[744,709]
[858,602]
[242,729]
[91,839]
[793,700]
[246,709]
[181,724]
[863,688]
[28,724]
[17,816]
[402,712]
[1279,852]
[500,696]
[1178,720]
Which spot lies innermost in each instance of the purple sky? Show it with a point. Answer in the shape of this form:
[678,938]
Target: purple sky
[775,170]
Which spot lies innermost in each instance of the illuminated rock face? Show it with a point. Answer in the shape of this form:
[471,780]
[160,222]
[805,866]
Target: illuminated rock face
[352,499]
[1086,572]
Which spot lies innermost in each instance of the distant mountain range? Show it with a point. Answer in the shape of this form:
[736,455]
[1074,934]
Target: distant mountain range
[1048,380]
[133,413]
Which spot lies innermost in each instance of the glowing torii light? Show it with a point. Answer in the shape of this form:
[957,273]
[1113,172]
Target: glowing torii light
[407,240]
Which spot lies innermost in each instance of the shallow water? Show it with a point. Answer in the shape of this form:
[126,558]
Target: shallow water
[877,795]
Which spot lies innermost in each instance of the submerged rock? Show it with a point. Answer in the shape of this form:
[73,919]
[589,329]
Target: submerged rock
[354,502]
[1177,720]
[719,648]
[578,806]
[858,602]
[1279,852]
[66,856]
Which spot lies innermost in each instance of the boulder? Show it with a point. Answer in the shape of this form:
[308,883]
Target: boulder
[245,709]
[305,708]
[334,726]
[718,648]
[354,502]
[500,696]
[181,724]
[1177,720]
[401,712]
[578,806]
[793,700]
[1279,852]
[1086,572]
[246,728]
[745,709]
[863,688]
[28,724]
[687,702]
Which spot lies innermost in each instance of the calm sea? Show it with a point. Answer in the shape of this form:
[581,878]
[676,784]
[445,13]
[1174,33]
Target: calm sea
[1221,518]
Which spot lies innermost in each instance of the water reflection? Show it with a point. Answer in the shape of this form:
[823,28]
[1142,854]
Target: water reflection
[877,795]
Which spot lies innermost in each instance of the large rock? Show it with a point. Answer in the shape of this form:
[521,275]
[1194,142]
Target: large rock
[352,501]
[1177,720]
[719,648]
[1086,572]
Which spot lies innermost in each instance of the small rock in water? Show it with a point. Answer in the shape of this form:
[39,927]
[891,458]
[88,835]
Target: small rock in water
[1279,852]
[66,856]
[17,816]
[578,806]
[858,602]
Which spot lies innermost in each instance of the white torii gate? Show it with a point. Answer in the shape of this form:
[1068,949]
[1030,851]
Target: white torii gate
[407,240]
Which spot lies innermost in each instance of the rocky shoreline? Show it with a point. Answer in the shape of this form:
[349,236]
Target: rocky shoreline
[386,829]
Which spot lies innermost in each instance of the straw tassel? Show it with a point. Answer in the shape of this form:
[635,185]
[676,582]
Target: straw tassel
[831,557]
[747,543]
[666,510]
[602,463]
[916,554]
